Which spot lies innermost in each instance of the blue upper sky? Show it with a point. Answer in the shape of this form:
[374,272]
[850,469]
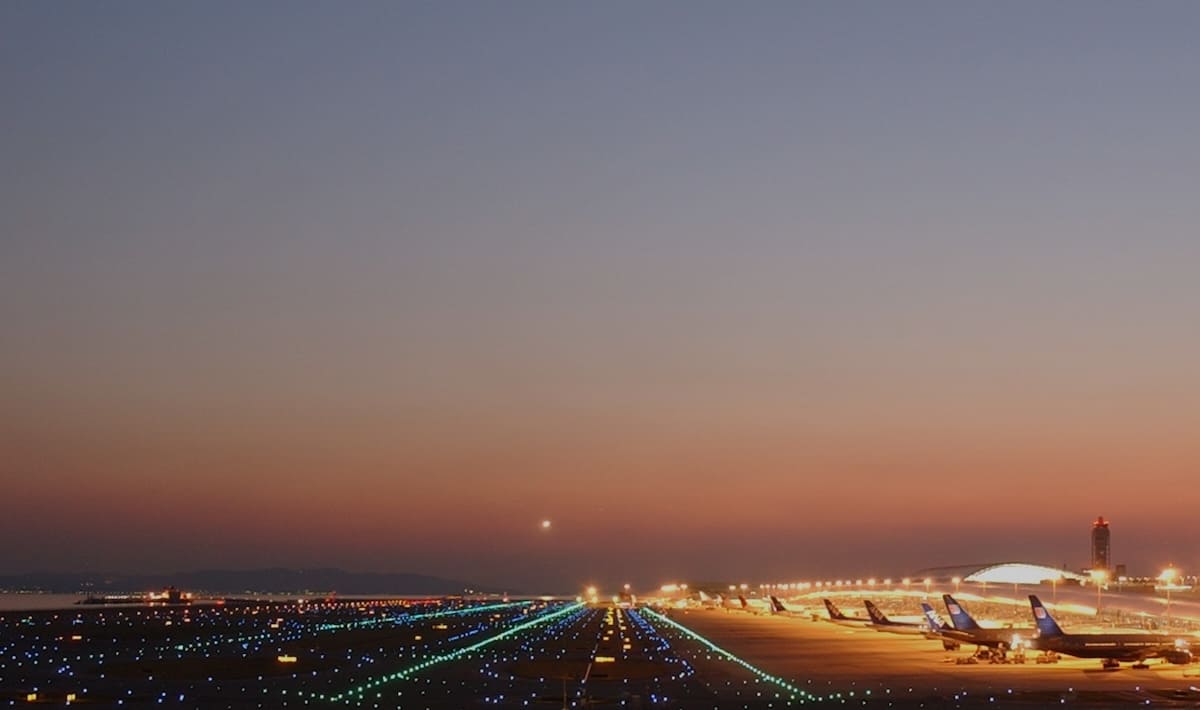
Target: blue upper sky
[800,244]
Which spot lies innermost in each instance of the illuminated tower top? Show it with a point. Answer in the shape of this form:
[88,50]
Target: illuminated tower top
[1101,545]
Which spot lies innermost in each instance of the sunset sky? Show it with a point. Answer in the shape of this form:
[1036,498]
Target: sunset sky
[763,291]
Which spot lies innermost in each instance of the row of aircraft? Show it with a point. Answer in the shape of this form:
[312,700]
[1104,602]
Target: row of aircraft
[1047,636]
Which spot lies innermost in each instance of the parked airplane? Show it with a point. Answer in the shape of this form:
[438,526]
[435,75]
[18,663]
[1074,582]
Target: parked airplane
[778,608]
[755,606]
[738,603]
[880,622]
[836,616]
[1110,648]
[938,628]
[967,630]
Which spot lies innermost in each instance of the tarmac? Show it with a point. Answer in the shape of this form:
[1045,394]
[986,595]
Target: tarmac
[827,658]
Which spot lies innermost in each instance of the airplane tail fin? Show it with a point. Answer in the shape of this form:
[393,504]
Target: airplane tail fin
[876,615]
[704,597]
[776,605]
[1041,616]
[743,602]
[959,616]
[931,617]
[834,612]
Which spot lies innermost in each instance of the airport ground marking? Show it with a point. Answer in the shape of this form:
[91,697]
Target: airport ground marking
[355,693]
[802,694]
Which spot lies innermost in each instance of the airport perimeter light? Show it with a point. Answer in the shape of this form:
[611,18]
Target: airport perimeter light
[928,582]
[906,582]
[957,581]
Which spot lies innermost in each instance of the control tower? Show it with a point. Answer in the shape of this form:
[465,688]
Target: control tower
[1101,546]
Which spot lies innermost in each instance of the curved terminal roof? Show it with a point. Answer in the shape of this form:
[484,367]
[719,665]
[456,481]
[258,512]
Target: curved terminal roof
[1001,573]
[1020,573]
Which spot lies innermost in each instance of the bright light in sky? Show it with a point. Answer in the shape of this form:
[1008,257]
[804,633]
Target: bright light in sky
[545,525]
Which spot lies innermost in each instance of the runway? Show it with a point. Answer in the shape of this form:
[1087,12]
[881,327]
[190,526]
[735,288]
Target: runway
[453,653]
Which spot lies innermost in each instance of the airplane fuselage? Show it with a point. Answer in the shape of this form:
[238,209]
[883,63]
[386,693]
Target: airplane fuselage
[900,628]
[991,638]
[851,622]
[1119,647]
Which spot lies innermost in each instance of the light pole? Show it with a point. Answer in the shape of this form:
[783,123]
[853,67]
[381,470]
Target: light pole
[928,582]
[957,581]
[1168,580]
[1098,576]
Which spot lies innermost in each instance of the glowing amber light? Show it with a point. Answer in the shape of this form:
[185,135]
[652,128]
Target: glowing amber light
[287,659]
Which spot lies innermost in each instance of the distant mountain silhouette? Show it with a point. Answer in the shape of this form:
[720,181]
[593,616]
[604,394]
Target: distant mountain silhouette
[263,581]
